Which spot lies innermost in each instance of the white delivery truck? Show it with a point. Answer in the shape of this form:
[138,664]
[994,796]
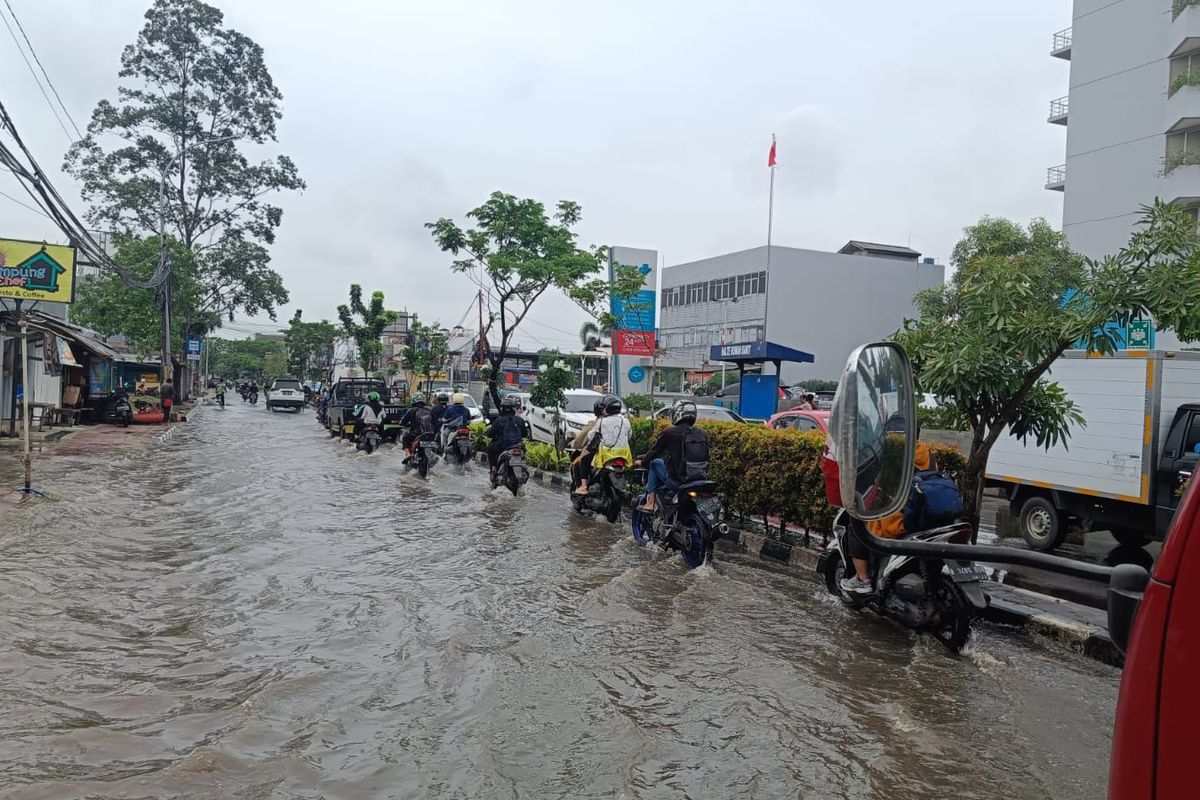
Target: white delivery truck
[1126,469]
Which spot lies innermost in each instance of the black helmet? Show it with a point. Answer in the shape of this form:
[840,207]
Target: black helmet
[443,397]
[684,411]
[598,407]
[418,399]
[611,404]
[510,404]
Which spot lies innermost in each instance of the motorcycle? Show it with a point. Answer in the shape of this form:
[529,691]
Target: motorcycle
[368,438]
[606,490]
[425,456]
[926,594]
[221,398]
[122,411]
[687,520]
[511,470]
[459,446]
[253,397]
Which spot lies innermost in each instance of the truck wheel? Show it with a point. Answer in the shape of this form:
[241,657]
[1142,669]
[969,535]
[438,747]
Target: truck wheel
[1130,537]
[1041,525]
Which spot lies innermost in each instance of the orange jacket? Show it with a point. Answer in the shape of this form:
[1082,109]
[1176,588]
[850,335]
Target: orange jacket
[893,526]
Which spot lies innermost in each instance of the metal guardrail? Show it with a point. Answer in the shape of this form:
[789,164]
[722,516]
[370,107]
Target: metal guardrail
[1056,176]
[1062,41]
[1058,108]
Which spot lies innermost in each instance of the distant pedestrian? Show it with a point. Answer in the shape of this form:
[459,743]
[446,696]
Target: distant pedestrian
[806,403]
[168,399]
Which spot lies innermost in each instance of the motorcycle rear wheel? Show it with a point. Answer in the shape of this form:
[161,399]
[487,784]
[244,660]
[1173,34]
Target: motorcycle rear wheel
[699,542]
[642,524]
[955,630]
[613,512]
[423,466]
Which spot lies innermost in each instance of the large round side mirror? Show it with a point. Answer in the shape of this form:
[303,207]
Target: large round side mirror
[873,430]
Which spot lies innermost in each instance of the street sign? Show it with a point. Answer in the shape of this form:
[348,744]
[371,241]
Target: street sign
[636,374]
[1141,334]
[36,271]
[193,349]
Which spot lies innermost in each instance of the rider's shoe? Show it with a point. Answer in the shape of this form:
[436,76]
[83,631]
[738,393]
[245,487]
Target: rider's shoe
[855,585]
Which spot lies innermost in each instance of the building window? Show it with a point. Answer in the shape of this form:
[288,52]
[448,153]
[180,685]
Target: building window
[1185,71]
[1182,148]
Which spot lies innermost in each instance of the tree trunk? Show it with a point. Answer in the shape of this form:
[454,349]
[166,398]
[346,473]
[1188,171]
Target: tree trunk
[973,480]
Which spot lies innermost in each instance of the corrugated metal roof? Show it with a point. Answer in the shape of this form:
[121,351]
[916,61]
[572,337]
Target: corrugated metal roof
[876,247]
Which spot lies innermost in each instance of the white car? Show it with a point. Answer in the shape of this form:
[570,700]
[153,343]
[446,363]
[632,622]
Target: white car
[577,412]
[285,393]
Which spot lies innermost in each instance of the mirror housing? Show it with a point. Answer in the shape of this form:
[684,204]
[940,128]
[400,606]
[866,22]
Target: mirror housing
[1125,589]
[873,430]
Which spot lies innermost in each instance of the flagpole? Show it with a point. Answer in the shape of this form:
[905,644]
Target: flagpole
[770,224]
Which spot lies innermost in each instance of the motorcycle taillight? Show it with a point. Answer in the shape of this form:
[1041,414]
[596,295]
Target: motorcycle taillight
[464,431]
[617,463]
[516,451]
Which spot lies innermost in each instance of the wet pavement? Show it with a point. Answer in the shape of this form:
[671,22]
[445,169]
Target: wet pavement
[253,610]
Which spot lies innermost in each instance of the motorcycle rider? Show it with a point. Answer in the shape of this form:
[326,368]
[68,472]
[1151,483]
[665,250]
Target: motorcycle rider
[581,465]
[456,416]
[441,401]
[679,452]
[419,422]
[507,430]
[609,439]
[369,413]
[887,528]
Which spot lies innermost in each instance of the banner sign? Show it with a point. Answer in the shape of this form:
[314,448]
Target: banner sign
[633,343]
[635,313]
[36,271]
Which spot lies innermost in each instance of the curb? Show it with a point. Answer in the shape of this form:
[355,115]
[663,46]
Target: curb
[1009,606]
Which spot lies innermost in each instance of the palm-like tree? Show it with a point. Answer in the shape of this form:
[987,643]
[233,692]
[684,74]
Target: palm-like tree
[591,336]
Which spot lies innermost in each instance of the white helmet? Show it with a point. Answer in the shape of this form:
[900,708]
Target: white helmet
[458,399]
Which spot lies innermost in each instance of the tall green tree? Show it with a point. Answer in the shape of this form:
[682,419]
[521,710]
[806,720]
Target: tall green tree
[310,346]
[1020,298]
[428,353]
[374,318]
[516,252]
[246,358]
[193,93]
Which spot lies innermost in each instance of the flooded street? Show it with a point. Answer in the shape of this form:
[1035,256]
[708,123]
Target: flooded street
[253,610]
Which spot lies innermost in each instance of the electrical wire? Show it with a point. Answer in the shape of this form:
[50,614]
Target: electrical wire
[25,205]
[42,67]
[36,79]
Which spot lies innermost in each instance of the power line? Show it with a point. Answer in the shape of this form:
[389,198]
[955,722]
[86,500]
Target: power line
[36,79]
[26,205]
[49,82]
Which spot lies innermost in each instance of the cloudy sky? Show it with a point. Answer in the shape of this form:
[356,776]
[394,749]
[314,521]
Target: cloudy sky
[897,122]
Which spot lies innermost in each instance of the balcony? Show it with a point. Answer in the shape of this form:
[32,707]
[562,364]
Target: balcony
[1181,184]
[1060,47]
[1056,178]
[1058,111]
[1183,106]
[1184,33]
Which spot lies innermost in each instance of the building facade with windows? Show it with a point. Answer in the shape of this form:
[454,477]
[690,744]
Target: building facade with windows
[819,302]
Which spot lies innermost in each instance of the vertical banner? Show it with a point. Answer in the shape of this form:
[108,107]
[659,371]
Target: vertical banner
[634,335]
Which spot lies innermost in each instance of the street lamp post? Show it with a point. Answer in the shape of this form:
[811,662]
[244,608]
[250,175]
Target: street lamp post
[164,258]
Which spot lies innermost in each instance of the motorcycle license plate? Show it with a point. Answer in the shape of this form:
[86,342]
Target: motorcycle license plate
[709,506]
[965,571]
[517,461]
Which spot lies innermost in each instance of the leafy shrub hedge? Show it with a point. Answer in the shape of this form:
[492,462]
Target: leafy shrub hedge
[546,457]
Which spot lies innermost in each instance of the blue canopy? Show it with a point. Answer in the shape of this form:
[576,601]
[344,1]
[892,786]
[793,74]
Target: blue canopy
[757,352]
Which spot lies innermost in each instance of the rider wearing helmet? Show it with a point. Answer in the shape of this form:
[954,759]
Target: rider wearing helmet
[419,423]
[456,416]
[369,413]
[581,465]
[506,431]
[440,402]
[609,439]
[678,455]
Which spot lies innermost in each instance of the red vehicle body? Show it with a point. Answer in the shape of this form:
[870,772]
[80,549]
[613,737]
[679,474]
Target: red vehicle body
[803,421]
[1159,705]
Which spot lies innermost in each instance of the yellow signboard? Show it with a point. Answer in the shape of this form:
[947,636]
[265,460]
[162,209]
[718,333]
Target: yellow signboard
[36,271]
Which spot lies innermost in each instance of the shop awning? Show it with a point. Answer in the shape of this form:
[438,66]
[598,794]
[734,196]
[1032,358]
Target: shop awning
[75,334]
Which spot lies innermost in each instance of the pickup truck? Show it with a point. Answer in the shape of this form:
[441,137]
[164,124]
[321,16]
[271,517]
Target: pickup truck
[1127,468]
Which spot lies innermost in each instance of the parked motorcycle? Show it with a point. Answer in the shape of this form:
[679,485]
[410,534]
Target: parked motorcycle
[926,594]
[368,438]
[122,411]
[606,490]
[511,470]
[688,520]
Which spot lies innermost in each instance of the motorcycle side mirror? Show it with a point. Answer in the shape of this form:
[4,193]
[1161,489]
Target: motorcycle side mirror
[873,430]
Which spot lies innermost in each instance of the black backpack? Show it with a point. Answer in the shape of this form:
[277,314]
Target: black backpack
[422,421]
[695,455]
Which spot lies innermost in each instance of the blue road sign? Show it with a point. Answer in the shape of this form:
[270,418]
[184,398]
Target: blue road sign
[636,374]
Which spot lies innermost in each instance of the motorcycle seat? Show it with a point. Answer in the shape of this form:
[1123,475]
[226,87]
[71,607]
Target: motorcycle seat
[698,486]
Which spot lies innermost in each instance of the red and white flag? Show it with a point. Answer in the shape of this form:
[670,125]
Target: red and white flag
[771,155]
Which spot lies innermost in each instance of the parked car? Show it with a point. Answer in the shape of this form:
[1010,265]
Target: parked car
[706,413]
[803,421]
[285,393]
[825,400]
[572,417]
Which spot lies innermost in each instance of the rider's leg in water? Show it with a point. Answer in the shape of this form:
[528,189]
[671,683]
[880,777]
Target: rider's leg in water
[494,449]
[656,477]
[584,471]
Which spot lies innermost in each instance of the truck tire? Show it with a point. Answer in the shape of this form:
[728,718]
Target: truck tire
[1042,525]
[1130,537]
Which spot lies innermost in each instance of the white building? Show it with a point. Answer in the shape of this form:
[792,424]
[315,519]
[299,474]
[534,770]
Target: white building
[822,303]
[1132,115]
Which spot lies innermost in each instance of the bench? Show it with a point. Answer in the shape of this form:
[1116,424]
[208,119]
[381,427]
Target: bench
[64,416]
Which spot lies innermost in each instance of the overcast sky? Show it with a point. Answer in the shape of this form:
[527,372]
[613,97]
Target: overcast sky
[897,122]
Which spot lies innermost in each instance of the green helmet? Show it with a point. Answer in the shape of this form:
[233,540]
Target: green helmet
[373,397]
